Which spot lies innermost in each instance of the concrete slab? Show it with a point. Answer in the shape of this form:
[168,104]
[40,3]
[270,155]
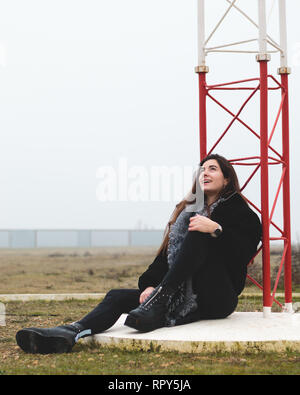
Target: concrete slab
[30,297]
[242,332]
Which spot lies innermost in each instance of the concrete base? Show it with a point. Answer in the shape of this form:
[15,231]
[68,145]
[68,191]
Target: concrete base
[242,332]
[48,297]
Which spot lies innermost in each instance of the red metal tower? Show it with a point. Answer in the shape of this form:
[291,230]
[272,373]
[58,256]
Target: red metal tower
[262,84]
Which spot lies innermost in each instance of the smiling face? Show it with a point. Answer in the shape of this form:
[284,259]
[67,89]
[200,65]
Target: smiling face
[211,179]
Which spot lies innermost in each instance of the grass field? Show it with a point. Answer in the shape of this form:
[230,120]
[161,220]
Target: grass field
[96,359]
[67,270]
[72,270]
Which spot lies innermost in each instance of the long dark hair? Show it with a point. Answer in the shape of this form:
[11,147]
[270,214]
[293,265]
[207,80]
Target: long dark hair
[231,187]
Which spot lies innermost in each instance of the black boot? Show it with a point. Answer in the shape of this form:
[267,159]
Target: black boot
[151,313]
[60,339]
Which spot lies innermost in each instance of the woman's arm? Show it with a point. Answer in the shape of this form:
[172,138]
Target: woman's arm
[241,230]
[202,224]
[241,233]
[155,272]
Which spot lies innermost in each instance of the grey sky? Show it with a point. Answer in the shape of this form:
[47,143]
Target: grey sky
[86,83]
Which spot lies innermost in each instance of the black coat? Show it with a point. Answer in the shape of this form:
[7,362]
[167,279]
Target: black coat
[234,247]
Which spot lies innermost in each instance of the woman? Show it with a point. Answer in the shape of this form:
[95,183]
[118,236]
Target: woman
[198,273]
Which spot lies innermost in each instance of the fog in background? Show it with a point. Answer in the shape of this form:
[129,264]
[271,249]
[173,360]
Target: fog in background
[89,86]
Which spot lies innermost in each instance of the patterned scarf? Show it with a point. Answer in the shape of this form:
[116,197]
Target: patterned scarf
[184,300]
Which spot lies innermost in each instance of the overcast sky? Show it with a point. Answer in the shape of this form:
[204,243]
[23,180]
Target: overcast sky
[100,89]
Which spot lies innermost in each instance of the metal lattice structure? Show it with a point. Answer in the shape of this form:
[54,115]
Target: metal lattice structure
[261,85]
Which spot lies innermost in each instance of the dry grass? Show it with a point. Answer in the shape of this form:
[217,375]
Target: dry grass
[72,270]
[81,270]
[98,270]
[94,359]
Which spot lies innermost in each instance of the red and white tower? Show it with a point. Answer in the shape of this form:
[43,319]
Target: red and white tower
[268,155]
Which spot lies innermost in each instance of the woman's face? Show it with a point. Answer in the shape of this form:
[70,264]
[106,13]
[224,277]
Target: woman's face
[211,178]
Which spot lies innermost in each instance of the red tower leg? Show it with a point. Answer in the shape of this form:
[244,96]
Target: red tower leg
[286,194]
[202,112]
[267,302]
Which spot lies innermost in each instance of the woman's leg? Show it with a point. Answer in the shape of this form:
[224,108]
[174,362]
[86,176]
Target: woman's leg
[216,296]
[217,299]
[62,338]
[115,303]
[192,256]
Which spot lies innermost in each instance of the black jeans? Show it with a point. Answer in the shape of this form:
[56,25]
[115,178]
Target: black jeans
[216,296]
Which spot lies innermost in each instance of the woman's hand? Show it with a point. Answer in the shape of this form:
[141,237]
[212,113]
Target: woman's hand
[144,295]
[202,224]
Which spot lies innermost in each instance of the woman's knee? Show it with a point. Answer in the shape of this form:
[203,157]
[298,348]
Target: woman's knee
[123,297]
[114,293]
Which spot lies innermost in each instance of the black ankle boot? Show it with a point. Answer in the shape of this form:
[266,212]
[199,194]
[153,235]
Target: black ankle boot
[151,313]
[60,339]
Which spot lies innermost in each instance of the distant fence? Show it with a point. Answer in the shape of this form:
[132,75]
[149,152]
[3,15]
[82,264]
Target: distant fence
[79,238]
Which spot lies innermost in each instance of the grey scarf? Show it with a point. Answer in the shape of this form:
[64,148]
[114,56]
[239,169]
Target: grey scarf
[184,300]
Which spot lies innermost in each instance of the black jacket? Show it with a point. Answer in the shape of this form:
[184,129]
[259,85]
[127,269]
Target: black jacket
[234,247]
